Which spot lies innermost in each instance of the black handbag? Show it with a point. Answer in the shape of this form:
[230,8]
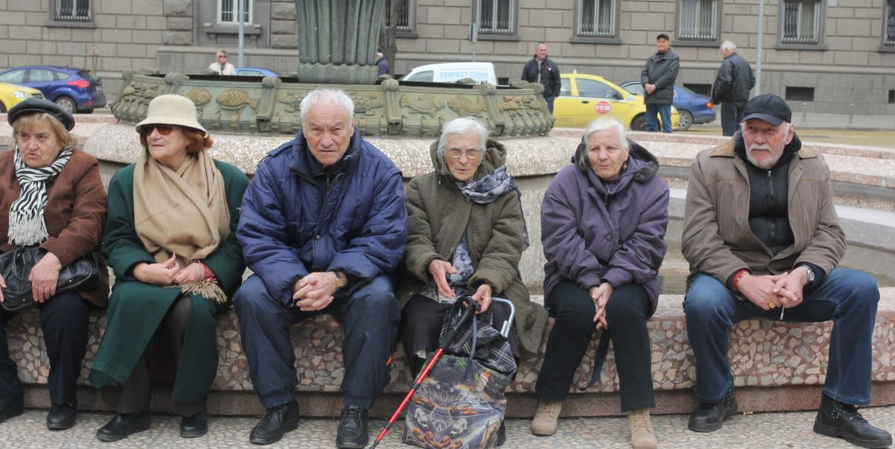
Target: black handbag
[16,265]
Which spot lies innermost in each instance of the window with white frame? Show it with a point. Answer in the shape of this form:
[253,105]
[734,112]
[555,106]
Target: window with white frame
[404,18]
[889,23]
[596,18]
[73,11]
[801,21]
[227,11]
[698,20]
[496,16]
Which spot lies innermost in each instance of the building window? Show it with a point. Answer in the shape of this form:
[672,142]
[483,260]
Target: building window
[404,17]
[889,23]
[73,11]
[496,16]
[801,21]
[596,18]
[227,11]
[698,20]
[799,93]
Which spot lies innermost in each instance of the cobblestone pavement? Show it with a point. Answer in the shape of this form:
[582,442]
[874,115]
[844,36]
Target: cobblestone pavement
[765,430]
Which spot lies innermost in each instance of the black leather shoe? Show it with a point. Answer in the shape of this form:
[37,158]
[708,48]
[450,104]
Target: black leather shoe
[11,411]
[62,417]
[352,433]
[835,419]
[502,434]
[708,416]
[194,426]
[275,423]
[122,426]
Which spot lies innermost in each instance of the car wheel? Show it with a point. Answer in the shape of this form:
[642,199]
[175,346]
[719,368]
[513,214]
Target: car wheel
[67,104]
[639,123]
[686,120]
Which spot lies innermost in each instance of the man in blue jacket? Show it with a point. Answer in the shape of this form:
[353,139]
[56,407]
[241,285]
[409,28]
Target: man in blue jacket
[322,225]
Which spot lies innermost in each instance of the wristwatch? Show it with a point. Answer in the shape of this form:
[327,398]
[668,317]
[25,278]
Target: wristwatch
[340,280]
[810,273]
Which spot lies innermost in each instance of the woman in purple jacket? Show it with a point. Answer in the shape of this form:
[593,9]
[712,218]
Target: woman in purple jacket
[603,224]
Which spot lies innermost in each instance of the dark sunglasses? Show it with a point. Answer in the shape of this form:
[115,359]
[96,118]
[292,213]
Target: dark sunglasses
[164,130]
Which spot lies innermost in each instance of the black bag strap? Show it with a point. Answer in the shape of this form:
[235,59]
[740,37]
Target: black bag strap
[599,358]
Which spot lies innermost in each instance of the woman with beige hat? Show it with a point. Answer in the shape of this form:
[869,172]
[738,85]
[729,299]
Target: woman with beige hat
[170,238]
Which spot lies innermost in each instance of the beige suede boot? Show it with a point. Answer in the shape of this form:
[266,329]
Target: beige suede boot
[642,436]
[547,417]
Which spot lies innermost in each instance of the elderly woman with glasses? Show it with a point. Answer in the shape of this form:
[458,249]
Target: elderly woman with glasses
[603,224]
[51,197]
[466,234]
[171,241]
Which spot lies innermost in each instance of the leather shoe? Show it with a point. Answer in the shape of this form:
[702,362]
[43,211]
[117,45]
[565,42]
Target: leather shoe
[836,419]
[122,426]
[63,416]
[275,423]
[353,430]
[501,434]
[194,426]
[12,410]
[708,416]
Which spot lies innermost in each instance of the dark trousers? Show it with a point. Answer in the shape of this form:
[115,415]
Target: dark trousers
[848,297]
[63,319]
[661,110]
[574,311]
[731,116]
[170,335]
[549,101]
[369,317]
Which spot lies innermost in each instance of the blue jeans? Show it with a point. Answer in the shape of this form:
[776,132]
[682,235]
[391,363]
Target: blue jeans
[663,110]
[549,101]
[848,297]
[369,317]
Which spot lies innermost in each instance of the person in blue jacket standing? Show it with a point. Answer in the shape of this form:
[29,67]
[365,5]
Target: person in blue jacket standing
[322,226]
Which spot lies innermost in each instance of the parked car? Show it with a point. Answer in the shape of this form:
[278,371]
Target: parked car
[692,106]
[584,98]
[74,90]
[451,72]
[12,94]
[255,71]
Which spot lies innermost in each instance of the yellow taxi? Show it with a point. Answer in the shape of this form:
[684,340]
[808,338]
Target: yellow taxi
[13,94]
[585,98]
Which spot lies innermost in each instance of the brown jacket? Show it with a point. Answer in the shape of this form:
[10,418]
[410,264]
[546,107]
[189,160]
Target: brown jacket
[717,239]
[75,213]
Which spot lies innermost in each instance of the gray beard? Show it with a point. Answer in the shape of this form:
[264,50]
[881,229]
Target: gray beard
[767,164]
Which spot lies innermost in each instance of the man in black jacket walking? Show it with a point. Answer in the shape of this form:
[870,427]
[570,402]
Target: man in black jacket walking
[541,69]
[658,78]
[732,86]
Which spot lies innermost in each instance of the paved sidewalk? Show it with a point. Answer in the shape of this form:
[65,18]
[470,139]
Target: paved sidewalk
[766,430]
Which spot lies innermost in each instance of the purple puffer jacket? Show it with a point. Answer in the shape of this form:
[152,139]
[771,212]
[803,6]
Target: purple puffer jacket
[591,234]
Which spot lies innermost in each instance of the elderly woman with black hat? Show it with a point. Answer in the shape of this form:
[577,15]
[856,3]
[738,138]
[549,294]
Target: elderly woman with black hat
[51,197]
[170,239]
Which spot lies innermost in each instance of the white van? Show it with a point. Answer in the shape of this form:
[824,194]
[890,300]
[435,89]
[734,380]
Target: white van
[451,72]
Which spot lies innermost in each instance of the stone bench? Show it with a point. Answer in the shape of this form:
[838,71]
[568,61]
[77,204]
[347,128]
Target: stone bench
[776,366]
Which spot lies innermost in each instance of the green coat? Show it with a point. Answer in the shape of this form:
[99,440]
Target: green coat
[136,309]
[439,214]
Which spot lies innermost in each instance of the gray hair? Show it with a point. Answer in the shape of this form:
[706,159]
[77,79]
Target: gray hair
[729,46]
[334,96]
[461,125]
[600,124]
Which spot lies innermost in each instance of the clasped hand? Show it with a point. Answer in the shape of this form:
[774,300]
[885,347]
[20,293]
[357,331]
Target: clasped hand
[771,291]
[169,272]
[600,295]
[314,291]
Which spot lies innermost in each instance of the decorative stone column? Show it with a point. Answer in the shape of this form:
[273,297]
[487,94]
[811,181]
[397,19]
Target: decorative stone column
[337,40]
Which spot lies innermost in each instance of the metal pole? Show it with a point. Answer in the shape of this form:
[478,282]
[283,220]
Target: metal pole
[241,59]
[760,40]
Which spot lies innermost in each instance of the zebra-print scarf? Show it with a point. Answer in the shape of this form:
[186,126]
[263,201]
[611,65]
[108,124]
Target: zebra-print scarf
[26,215]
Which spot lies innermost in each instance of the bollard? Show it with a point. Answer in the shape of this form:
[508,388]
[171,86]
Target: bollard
[804,113]
[851,114]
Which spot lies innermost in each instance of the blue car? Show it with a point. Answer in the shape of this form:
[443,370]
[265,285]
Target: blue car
[255,71]
[692,106]
[74,90]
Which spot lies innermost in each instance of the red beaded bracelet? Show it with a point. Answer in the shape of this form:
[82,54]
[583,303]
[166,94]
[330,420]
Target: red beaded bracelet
[737,278]
[209,275]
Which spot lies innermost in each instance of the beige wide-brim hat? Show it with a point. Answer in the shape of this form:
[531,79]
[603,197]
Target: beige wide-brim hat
[172,110]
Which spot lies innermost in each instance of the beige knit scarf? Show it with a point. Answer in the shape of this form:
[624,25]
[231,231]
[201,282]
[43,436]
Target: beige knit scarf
[182,212]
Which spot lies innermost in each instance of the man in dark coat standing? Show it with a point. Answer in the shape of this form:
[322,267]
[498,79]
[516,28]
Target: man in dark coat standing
[381,64]
[658,77]
[322,226]
[541,69]
[735,80]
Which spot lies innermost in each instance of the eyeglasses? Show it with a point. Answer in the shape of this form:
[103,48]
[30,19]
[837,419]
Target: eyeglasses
[164,130]
[471,153]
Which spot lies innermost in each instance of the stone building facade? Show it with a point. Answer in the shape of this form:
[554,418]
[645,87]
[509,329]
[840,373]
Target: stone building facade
[834,56]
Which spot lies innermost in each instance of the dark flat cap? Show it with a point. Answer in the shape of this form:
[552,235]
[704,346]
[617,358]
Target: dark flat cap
[35,105]
[768,107]
[663,36]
